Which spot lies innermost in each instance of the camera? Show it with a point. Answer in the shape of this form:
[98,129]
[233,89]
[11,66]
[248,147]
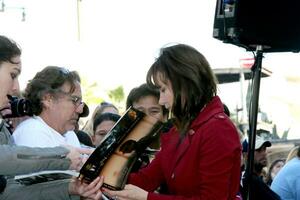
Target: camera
[19,107]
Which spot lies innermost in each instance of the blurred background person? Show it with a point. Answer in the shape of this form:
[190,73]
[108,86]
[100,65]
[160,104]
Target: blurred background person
[260,190]
[287,182]
[146,99]
[103,107]
[102,125]
[292,154]
[273,170]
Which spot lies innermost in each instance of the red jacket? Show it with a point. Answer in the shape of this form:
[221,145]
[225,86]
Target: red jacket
[204,166]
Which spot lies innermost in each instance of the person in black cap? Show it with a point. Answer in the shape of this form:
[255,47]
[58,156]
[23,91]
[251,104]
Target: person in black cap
[259,190]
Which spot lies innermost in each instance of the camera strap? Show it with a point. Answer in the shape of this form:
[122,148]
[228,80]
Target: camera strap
[3,183]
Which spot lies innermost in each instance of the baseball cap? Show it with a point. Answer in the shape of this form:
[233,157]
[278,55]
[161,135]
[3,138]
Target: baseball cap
[260,141]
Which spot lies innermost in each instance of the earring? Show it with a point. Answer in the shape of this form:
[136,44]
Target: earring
[170,115]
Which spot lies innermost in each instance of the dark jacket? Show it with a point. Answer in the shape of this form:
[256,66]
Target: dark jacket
[259,190]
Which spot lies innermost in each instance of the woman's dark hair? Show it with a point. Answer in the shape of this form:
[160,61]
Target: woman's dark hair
[8,50]
[226,110]
[105,117]
[48,81]
[101,107]
[269,177]
[193,81]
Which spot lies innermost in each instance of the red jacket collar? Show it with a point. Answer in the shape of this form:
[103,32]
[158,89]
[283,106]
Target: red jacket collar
[214,107]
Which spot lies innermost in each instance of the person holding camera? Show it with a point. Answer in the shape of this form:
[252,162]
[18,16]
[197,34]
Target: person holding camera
[16,112]
[19,160]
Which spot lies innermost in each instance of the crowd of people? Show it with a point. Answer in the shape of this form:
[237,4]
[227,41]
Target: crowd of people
[198,154]
[22,159]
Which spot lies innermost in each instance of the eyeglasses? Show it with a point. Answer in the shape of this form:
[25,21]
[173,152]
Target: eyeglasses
[77,101]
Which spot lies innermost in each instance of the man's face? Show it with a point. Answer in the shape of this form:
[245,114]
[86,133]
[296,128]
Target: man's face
[9,83]
[101,130]
[150,106]
[260,156]
[62,111]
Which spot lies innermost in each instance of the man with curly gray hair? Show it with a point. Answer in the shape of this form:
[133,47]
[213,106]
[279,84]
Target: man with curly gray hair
[56,101]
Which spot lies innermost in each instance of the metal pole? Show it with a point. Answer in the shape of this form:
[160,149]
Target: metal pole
[78,20]
[253,115]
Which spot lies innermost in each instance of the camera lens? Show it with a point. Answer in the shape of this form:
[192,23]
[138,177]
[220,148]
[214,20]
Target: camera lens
[19,107]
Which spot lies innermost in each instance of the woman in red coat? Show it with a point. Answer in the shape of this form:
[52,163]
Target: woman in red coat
[200,155]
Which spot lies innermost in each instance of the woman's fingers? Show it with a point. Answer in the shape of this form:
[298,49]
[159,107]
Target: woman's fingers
[94,187]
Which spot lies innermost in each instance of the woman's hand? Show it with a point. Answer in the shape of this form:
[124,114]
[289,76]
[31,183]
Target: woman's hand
[5,110]
[87,191]
[130,192]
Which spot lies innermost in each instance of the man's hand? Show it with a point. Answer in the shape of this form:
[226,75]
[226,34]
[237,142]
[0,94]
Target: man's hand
[5,110]
[75,155]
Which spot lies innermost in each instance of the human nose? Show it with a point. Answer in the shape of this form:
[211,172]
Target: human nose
[162,100]
[16,87]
